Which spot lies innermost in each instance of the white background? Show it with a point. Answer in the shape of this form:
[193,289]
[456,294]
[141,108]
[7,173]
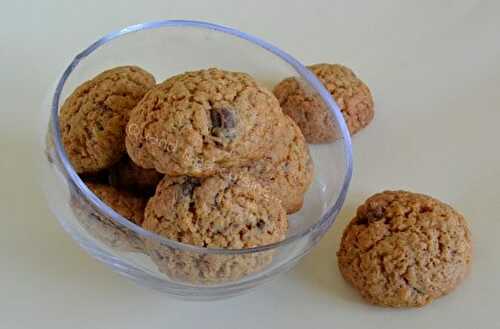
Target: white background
[434,69]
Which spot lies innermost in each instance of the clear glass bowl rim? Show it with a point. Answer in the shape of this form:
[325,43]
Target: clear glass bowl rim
[110,213]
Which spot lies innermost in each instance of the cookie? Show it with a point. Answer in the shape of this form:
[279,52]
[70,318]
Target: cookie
[287,169]
[93,118]
[198,123]
[405,249]
[106,230]
[230,211]
[308,110]
[129,176]
[222,211]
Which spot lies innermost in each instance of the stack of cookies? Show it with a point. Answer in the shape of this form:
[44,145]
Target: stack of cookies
[206,158]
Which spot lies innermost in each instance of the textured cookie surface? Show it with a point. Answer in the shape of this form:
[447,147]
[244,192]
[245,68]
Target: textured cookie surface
[199,122]
[309,112]
[405,249]
[287,169]
[230,211]
[124,203]
[94,116]
[129,176]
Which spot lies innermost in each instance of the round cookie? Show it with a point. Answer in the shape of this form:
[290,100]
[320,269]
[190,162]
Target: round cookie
[230,211]
[93,118]
[129,176]
[316,122]
[199,122]
[223,211]
[405,249]
[287,169]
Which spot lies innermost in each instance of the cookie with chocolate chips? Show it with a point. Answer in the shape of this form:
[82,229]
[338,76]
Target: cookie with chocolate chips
[230,211]
[223,211]
[200,122]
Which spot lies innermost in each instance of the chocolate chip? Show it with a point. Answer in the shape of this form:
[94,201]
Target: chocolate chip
[223,123]
[425,208]
[189,185]
[216,119]
[261,224]
[192,209]
[361,220]
[222,118]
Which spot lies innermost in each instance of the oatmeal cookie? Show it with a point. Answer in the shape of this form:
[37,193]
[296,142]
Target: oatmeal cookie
[309,112]
[222,211]
[230,211]
[405,249]
[94,116]
[199,122]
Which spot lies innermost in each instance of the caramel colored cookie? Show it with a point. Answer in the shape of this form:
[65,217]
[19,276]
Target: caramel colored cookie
[405,249]
[124,203]
[199,122]
[287,169]
[94,116]
[222,211]
[309,112]
[129,176]
[231,211]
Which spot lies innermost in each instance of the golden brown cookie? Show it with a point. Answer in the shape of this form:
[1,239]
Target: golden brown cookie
[94,116]
[287,169]
[129,176]
[199,122]
[222,211]
[230,211]
[405,249]
[309,112]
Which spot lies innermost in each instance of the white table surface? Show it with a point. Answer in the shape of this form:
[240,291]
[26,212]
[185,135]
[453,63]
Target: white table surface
[434,69]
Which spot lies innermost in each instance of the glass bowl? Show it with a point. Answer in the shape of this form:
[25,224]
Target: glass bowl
[166,48]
